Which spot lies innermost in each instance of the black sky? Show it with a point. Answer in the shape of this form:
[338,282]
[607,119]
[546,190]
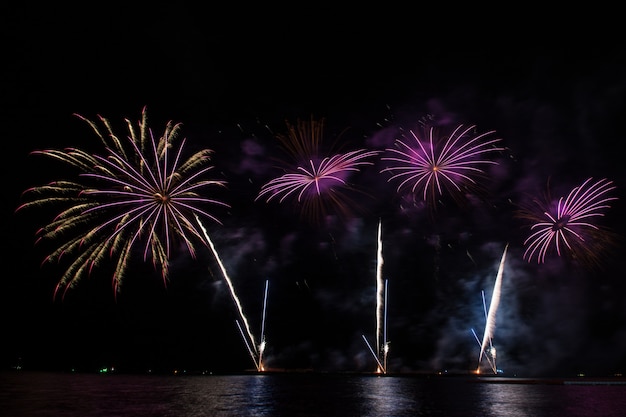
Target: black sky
[555,93]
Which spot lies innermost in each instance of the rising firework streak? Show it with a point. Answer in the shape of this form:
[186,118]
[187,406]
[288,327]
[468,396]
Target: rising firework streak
[260,366]
[487,350]
[248,338]
[382,345]
[258,362]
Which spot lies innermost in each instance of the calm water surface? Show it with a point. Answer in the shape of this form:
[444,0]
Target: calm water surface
[294,395]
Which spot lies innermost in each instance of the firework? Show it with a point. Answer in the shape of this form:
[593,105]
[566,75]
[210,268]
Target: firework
[139,197]
[381,311]
[487,350]
[318,183]
[262,345]
[255,352]
[433,165]
[569,223]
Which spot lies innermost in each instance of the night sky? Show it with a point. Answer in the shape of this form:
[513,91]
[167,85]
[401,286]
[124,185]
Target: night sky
[233,79]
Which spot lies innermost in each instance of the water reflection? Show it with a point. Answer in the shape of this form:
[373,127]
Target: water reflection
[596,400]
[388,396]
[539,399]
[519,400]
[237,395]
[297,395]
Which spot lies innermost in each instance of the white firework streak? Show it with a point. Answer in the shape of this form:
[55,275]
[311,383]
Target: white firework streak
[252,347]
[379,290]
[491,360]
[260,366]
[381,310]
[245,340]
[380,365]
[385,341]
[490,326]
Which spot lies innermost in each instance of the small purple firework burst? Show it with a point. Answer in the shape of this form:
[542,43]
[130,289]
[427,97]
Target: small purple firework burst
[569,222]
[318,183]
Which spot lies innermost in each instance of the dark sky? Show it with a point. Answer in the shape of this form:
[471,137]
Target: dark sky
[554,93]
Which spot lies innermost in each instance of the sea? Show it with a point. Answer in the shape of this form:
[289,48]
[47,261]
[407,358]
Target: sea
[38,394]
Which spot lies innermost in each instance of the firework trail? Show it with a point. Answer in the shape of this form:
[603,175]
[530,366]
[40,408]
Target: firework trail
[381,310]
[385,341]
[260,366]
[430,166]
[141,196]
[247,335]
[318,183]
[568,222]
[379,289]
[490,352]
[490,326]
[380,365]
[251,352]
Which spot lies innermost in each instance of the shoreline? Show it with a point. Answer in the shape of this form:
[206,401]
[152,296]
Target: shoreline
[305,372]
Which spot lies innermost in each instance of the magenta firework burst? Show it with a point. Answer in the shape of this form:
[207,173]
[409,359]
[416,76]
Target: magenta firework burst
[317,183]
[569,223]
[141,196]
[435,164]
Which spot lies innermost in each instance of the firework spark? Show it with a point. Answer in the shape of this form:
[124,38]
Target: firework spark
[318,183]
[569,222]
[451,164]
[142,196]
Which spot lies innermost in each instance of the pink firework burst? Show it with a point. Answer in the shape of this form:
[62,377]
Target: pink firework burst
[569,223]
[318,184]
[432,165]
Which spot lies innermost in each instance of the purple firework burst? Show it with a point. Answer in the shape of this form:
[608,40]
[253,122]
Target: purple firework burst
[318,184]
[569,222]
[141,196]
[432,165]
